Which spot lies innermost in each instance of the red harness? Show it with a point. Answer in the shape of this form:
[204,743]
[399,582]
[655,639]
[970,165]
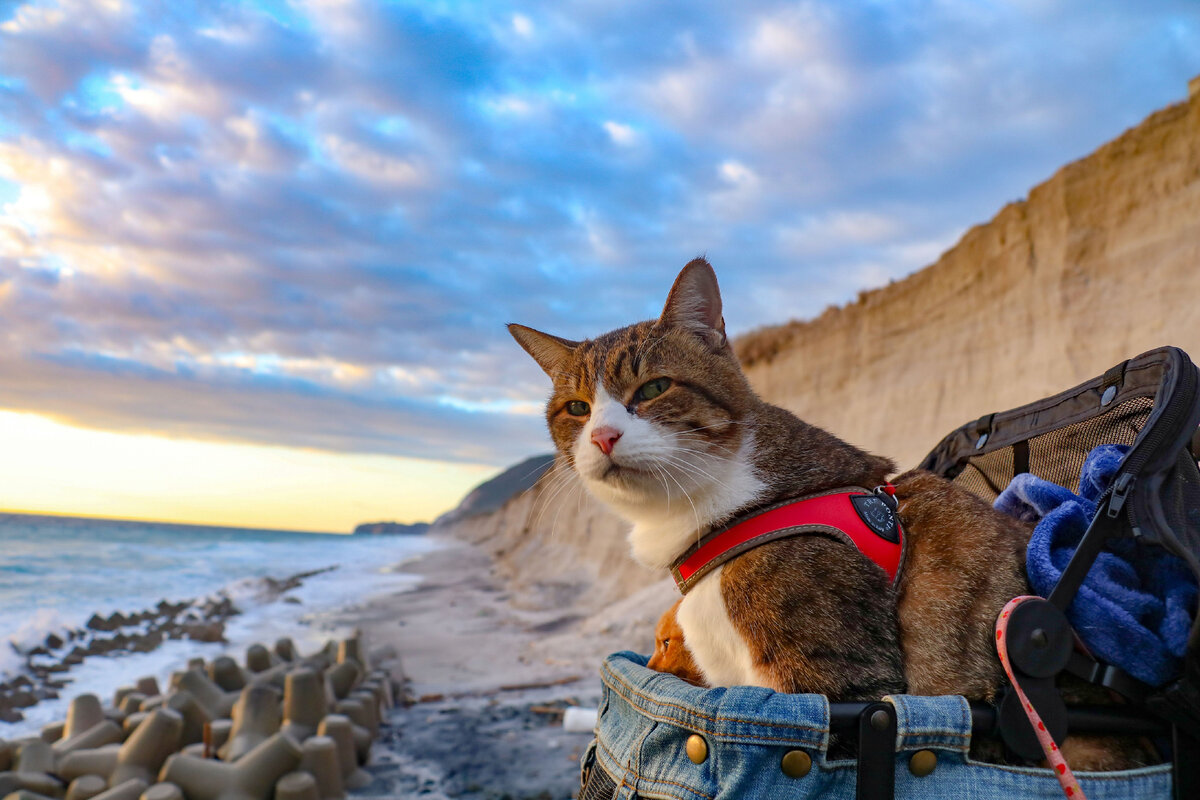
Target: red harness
[867,519]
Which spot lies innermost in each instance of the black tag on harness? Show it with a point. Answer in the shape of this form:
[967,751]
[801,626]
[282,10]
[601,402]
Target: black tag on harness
[878,516]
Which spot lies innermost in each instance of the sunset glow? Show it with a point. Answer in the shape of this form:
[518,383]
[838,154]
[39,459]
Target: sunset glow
[257,258]
[49,467]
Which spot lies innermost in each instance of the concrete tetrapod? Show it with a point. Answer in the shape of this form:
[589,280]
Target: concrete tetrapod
[258,658]
[272,677]
[147,748]
[96,761]
[285,649]
[382,688]
[297,786]
[342,679]
[35,762]
[371,705]
[148,685]
[194,716]
[107,732]
[303,704]
[53,731]
[218,733]
[250,778]
[321,761]
[226,674]
[132,721]
[357,714]
[162,791]
[216,702]
[340,729]
[352,650]
[131,702]
[86,787]
[83,713]
[26,794]
[152,702]
[256,717]
[128,790]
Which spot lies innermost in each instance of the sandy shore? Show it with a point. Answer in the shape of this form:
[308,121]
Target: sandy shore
[461,647]
[490,671]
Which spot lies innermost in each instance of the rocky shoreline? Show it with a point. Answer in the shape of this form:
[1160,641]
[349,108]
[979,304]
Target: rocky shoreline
[280,725]
[47,665]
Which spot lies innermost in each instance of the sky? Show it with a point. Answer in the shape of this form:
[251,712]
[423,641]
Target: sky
[256,258]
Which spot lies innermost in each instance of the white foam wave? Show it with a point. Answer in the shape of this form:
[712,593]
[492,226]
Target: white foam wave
[307,614]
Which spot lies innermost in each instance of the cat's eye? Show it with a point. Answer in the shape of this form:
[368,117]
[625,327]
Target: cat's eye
[666,643]
[578,408]
[651,389]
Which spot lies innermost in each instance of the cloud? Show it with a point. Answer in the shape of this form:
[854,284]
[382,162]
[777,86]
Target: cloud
[307,223]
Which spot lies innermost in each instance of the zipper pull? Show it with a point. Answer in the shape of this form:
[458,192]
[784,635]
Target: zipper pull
[1119,493]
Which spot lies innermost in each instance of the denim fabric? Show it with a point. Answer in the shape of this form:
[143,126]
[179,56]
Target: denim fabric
[646,718]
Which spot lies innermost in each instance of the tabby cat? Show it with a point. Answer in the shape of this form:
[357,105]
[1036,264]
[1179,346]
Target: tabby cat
[660,423]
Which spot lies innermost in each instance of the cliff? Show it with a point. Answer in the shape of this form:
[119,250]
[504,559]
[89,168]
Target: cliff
[1100,263]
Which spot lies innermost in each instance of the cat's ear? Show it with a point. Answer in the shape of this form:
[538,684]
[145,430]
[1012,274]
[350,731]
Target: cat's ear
[695,303]
[550,352]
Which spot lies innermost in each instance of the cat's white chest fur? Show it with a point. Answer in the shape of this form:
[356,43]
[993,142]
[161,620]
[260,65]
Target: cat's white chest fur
[717,647]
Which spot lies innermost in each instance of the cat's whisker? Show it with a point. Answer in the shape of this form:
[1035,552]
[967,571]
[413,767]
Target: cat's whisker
[713,445]
[714,425]
[658,472]
[554,525]
[686,496]
[556,487]
[692,469]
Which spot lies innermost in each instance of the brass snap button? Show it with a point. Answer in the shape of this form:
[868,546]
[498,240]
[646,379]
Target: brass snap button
[796,763]
[922,763]
[697,748]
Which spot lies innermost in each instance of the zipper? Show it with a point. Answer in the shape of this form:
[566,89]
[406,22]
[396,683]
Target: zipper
[1120,491]
[1177,410]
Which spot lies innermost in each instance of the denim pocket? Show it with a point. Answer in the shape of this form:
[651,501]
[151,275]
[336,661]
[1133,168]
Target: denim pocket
[748,732]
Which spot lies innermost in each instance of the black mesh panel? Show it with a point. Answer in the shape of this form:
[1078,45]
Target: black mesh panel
[1057,456]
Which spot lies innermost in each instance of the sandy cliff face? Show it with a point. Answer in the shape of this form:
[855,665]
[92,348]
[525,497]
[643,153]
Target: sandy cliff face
[1101,263]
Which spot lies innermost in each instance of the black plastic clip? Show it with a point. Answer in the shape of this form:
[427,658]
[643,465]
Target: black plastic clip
[876,753]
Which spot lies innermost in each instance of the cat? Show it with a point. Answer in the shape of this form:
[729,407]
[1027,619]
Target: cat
[660,423]
[671,653]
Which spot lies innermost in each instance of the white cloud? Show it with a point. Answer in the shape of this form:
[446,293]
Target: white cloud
[522,25]
[371,165]
[620,133]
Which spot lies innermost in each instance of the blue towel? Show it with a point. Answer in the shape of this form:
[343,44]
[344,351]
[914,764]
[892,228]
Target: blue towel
[1135,608]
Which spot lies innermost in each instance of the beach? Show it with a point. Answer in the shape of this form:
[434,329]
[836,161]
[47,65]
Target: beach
[485,665]
[489,666]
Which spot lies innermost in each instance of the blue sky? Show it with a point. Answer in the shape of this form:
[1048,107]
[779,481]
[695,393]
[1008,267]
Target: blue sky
[305,224]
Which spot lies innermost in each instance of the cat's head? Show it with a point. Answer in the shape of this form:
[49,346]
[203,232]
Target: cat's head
[653,416]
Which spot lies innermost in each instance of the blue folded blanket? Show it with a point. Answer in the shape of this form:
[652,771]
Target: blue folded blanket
[1135,608]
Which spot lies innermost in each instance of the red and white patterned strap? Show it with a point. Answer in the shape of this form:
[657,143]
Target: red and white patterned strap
[1066,778]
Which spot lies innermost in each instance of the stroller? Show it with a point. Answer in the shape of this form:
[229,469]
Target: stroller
[658,737]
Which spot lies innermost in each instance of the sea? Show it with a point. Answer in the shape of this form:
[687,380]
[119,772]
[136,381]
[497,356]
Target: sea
[56,572]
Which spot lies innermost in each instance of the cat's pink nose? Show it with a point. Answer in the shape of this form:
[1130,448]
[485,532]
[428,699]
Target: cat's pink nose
[605,437]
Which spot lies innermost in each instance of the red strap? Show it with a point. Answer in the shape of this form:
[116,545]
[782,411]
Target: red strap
[1054,756]
[832,510]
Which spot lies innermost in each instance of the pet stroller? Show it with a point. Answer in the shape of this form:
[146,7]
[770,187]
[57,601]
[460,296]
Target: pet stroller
[658,737]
